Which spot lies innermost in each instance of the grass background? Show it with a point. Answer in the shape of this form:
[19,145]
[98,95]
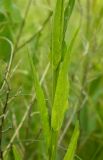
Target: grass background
[85,75]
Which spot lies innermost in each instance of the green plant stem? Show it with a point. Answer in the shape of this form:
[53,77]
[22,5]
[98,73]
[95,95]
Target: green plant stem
[55,78]
[54,144]
[54,135]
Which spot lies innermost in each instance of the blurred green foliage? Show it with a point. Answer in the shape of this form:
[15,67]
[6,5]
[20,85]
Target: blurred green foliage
[85,74]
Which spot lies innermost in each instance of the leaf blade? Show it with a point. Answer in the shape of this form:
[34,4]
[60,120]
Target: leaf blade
[41,103]
[68,13]
[73,143]
[57,33]
[62,92]
[16,153]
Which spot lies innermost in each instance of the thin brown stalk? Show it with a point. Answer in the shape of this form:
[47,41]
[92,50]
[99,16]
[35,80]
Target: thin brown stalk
[3,118]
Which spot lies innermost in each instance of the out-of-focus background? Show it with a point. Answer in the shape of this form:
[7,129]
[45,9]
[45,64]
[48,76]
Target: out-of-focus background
[85,74]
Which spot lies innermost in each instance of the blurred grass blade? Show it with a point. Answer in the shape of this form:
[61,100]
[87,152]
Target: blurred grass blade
[41,103]
[73,143]
[67,13]
[6,157]
[69,48]
[57,33]
[16,153]
[62,89]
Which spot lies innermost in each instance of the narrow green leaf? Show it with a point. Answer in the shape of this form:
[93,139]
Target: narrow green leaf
[61,96]
[73,144]
[41,103]
[57,33]
[61,99]
[62,90]
[67,13]
[16,153]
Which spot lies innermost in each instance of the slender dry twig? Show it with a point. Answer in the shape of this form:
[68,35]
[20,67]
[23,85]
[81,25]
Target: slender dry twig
[3,118]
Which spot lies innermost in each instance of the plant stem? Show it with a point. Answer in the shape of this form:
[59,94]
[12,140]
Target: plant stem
[2,120]
[54,144]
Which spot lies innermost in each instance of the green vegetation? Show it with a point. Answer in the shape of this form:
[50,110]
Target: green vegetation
[51,80]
